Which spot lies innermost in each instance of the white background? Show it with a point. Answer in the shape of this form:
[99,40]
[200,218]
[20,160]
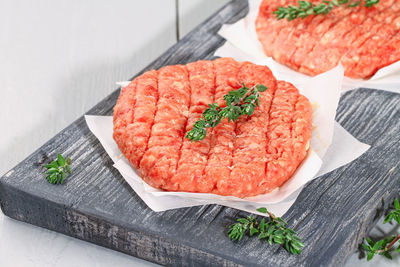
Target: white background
[57,59]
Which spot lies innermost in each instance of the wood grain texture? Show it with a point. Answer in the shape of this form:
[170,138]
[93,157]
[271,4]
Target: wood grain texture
[332,214]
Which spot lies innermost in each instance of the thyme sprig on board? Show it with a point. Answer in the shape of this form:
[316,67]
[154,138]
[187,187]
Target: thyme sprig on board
[57,170]
[306,8]
[385,246]
[242,101]
[272,230]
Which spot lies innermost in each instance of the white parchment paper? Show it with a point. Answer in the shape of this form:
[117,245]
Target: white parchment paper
[242,44]
[329,143]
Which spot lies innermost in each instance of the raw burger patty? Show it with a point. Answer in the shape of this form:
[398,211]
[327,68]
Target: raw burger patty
[244,158]
[363,39]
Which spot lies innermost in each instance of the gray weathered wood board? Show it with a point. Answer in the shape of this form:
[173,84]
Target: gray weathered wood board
[332,214]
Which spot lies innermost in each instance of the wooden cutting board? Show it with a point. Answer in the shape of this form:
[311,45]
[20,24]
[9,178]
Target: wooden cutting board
[332,214]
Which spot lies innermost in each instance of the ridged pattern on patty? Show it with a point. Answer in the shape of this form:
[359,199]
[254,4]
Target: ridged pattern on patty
[363,39]
[244,158]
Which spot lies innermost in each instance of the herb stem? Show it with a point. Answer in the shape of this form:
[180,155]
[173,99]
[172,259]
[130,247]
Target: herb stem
[272,216]
[238,102]
[389,245]
[249,92]
[384,246]
[272,230]
[57,170]
[307,8]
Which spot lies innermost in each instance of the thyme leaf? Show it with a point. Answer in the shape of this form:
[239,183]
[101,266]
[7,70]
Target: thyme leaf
[273,230]
[307,8]
[242,101]
[58,169]
[386,246]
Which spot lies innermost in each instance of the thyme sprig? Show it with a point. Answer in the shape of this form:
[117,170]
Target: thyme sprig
[306,8]
[57,170]
[242,101]
[272,230]
[385,246]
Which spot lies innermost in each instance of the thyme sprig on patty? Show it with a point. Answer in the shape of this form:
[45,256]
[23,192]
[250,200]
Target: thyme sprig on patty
[242,101]
[306,8]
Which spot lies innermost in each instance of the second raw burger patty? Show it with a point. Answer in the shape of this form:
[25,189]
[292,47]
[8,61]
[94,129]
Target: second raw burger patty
[244,158]
[363,39]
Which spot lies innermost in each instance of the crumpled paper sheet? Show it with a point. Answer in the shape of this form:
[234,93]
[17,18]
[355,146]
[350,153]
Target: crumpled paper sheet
[242,44]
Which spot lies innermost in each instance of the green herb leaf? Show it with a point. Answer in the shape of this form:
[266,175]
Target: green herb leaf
[56,170]
[396,204]
[387,255]
[60,160]
[281,220]
[370,242]
[242,220]
[370,3]
[52,170]
[378,244]
[306,8]
[370,255]
[262,225]
[262,210]
[385,246]
[52,165]
[262,235]
[261,88]
[388,218]
[366,247]
[272,231]
[242,101]
[253,230]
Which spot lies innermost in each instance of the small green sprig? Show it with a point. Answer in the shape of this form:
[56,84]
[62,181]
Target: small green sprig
[273,230]
[385,246]
[306,8]
[238,102]
[57,170]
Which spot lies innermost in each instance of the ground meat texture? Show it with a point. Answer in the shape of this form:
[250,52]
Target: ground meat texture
[333,40]
[363,39]
[251,156]
[221,153]
[267,25]
[315,31]
[194,155]
[386,30]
